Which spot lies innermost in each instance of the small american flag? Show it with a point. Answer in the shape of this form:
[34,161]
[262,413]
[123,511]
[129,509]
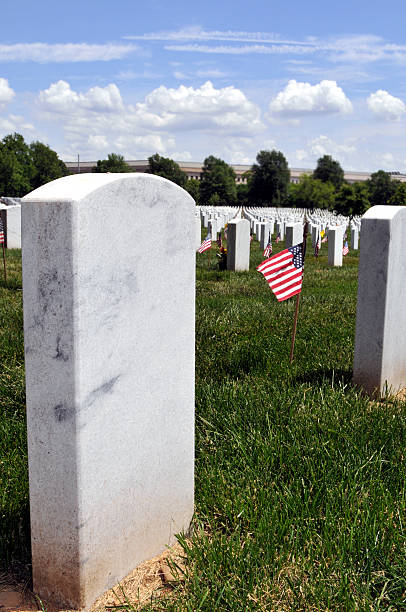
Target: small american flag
[284,272]
[268,248]
[251,237]
[206,244]
[325,239]
[278,237]
[345,248]
[1,232]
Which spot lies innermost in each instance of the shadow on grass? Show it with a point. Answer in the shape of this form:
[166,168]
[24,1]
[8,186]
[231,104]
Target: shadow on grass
[11,285]
[332,376]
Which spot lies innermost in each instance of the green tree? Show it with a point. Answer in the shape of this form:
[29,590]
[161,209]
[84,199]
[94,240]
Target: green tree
[113,163]
[311,193]
[328,170]
[242,194]
[46,164]
[269,180]
[167,168]
[381,187]
[16,167]
[193,187]
[218,182]
[352,199]
[399,196]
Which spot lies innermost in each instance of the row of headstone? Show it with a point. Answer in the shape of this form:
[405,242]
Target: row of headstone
[287,224]
[110,367]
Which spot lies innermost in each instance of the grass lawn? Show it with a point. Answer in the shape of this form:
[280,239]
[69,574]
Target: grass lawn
[300,480]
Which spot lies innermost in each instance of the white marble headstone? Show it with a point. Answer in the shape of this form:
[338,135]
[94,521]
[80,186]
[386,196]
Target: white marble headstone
[335,246]
[109,350]
[238,245]
[380,349]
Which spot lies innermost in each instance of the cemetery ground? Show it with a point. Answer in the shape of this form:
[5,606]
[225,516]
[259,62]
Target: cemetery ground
[300,478]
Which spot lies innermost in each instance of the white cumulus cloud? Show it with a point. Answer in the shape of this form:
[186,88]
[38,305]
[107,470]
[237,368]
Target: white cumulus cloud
[60,98]
[299,99]
[98,120]
[204,107]
[385,106]
[6,93]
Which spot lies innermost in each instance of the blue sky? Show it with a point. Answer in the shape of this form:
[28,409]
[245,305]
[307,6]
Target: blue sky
[191,79]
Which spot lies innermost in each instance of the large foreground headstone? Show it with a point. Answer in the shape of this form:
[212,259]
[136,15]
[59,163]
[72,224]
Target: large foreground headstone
[380,349]
[238,245]
[109,349]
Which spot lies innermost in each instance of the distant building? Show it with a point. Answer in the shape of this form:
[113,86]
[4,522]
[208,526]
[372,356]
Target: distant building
[194,170]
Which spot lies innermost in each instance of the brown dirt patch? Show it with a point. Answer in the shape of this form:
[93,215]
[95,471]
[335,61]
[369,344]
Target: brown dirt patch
[152,580]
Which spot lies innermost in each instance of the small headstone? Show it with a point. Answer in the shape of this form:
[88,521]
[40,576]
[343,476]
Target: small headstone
[335,246]
[263,234]
[294,234]
[354,238]
[238,245]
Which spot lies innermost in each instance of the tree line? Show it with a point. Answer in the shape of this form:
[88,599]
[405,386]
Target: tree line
[268,184]
[25,167]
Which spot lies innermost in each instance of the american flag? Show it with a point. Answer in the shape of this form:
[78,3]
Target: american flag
[284,272]
[1,232]
[325,239]
[345,248]
[268,248]
[251,237]
[278,237]
[206,244]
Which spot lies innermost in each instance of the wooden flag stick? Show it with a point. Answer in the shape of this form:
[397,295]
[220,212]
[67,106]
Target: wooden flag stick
[4,262]
[292,346]
[208,265]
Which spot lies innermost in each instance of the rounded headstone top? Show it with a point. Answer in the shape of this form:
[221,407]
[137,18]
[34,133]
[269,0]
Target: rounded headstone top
[75,187]
[383,211]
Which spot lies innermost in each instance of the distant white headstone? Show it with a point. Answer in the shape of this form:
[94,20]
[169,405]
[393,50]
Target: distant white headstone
[354,238]
[335,246]
[294,234]
[238,245]
[198,230]
[11,216]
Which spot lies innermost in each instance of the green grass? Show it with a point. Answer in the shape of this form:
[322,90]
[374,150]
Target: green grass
[300,479]
[14,514]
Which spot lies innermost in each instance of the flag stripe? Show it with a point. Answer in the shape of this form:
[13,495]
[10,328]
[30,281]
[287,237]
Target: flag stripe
[287,280]
[294,280]
[280,261]
[206,244]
